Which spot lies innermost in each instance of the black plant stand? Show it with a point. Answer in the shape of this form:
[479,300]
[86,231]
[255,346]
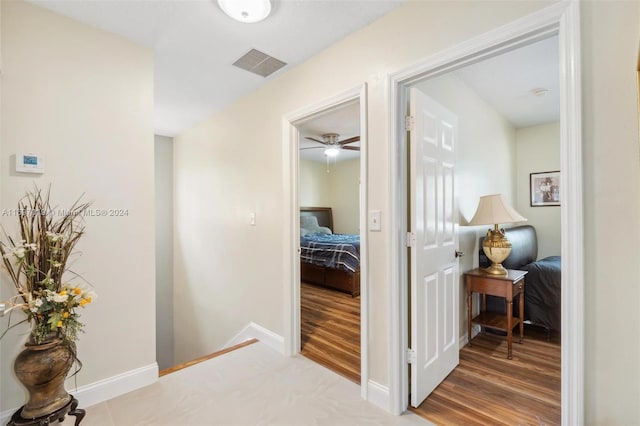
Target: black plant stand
[71,409]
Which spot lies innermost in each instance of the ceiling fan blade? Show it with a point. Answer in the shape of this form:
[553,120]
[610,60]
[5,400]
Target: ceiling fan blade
[315,140]
[350,140]
[313,147]
[351,148]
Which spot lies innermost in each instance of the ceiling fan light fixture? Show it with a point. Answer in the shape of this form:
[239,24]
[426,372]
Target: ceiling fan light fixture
[246,11]
[332,151]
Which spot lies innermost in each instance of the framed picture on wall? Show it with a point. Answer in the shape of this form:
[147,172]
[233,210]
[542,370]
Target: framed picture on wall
[545,189]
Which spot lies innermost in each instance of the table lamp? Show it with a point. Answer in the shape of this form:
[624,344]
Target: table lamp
[492,210]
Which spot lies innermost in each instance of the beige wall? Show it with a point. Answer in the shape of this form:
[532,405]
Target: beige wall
[3,289]
[344,178]
[538,150]
[217,183]
[485,138]
[83,98]
[339,188]
[611,153]
[163,154]
[313,185]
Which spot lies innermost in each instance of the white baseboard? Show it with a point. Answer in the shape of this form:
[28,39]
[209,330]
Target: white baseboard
[379,395]
[462,342]
[475,329]
[106,389]
[255,331]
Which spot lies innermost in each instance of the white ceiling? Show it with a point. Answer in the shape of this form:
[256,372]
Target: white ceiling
[506,83]
[195,44]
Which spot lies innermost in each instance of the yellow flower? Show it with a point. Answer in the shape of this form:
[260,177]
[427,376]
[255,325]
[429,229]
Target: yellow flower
[63,293]
[66,315]
[59,324]
[88,299]
[77,291]
[83,302]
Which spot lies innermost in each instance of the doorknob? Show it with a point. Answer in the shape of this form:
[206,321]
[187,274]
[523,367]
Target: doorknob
[459,253]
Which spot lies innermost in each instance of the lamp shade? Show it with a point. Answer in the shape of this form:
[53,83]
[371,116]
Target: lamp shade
[493,209]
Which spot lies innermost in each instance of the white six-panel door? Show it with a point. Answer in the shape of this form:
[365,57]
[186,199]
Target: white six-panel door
[434,241]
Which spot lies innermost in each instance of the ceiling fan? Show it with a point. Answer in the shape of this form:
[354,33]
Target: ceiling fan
[333,144]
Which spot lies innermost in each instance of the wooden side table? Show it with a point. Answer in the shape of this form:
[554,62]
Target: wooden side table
[508,286]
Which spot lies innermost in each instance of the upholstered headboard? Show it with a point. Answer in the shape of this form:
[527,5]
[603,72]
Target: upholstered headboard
[524,247]
[323,214]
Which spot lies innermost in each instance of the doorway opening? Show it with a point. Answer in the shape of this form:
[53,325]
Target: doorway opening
[329,203]
[328,316]
[561,20]
[503,119]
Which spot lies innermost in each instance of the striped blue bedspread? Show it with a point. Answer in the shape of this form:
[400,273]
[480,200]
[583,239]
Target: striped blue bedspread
[337,251]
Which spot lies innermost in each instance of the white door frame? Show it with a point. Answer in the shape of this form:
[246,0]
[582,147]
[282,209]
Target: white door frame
[290,151]
[563,19]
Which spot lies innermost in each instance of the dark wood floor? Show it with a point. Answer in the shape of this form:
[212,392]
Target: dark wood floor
[488,389]
[330,329]
[485,389]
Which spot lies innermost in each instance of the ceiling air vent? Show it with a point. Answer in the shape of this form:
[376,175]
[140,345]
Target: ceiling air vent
[259,63]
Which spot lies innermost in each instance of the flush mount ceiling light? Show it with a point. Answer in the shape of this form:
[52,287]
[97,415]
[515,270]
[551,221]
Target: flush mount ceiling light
[246,11]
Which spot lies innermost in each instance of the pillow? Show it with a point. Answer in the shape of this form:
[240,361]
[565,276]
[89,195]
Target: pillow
[318,230]
[309,222]
[322,230]
[309,225]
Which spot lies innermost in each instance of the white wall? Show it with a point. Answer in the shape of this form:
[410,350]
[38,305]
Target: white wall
[485,138]
[217,183]
[538,150]
[164,250]
[610,35]
[83,98]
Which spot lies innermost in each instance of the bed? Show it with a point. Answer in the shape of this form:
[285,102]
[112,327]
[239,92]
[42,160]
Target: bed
[542,283]
[328,259]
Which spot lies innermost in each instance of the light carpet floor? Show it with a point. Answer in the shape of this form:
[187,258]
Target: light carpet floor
[253,385]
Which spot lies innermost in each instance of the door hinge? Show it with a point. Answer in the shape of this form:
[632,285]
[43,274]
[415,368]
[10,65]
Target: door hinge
[409,123]
[411,356]
[411,239]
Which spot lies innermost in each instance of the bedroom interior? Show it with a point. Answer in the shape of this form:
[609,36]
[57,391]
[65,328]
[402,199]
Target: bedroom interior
[329,173]
[49,103]
[499,111]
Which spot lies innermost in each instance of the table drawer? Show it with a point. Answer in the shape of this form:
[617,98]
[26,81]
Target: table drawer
[489,286]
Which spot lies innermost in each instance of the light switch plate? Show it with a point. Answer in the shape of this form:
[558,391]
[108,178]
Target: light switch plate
[375,220]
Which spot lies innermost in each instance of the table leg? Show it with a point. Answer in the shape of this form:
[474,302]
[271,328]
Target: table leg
[509,330]
[521,303]
[469,314]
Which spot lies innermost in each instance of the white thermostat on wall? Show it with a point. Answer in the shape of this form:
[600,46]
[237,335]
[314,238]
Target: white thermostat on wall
[29,163]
